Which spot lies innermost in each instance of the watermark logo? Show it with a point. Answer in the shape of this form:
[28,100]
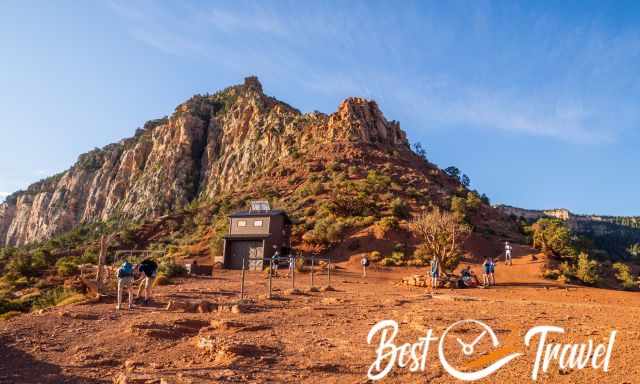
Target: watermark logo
[414,356]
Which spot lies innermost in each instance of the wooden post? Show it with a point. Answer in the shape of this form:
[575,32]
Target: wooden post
[293,271]
[270,273]
[312,267]
[101,260]
[242,281]
[329,270]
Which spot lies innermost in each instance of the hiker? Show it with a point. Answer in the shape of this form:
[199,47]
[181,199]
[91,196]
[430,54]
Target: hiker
[148,269]
[365,263]
[507,253]
[434,273]
[492,271]
[274,263]
[486,271]
[125,280]
[292,265]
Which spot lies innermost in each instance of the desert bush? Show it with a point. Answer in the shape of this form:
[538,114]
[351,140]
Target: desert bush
[398,257]
[459,207]
[170,269]
[67,266]
[328,230]
[11,305]
[416,263]
[21,264]
[375,256]
[400,209]
[473,201]
[384,225]
[53,297]
[388,262]
[377,182]
[162,279]
[587,270]
[422,253]
[624,276]
[9,315]
[551,274]
[71,299]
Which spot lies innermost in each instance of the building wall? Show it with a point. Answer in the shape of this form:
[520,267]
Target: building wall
[249,228]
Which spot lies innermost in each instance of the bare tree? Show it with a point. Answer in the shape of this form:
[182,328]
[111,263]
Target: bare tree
[442,234]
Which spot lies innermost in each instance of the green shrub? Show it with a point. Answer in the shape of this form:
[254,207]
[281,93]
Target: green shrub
[388,262]
[551,274]
[10,314]
[624,275]
[162,279]
[400,209]
[384,225]
[422,253]
[53,297]
[11,305]
[398,256]
[328,230]
[587,270]
[67,266]
[375,256]
[171,269]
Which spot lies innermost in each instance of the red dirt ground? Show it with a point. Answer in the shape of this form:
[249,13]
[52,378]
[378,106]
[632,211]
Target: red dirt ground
[315,337]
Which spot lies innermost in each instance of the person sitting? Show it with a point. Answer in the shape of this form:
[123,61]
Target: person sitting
[467,278]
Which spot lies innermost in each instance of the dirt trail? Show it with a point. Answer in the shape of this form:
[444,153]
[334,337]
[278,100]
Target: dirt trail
[314,337]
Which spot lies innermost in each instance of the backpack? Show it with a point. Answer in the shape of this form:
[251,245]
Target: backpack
[125,270]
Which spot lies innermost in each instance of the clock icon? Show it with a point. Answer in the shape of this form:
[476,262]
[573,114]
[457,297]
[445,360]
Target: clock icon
[469,348]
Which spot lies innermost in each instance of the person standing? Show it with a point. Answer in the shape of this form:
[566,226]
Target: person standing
[435,273]
[365,264]
[492,271]
[274,263]
[125,281]
[148,268]
[486,269]
[292,265]
[507,253]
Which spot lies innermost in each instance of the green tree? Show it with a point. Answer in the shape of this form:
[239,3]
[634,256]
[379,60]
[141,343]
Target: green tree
[553,237]
[587,270]
[453,172]
[465,180]
[624,275]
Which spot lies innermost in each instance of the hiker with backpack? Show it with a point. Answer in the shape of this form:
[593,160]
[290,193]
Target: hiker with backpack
[434,273]
[125,281]
[365,263]
[148,268]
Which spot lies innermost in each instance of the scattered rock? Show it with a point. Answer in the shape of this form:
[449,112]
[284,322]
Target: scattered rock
[206,307]
[181,306]
[293,291]
[327,288]
[221,324]
[330,300]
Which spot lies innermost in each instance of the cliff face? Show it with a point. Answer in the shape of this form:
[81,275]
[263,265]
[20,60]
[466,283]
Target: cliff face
[207,146]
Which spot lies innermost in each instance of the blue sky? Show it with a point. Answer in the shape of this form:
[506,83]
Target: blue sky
[538,102]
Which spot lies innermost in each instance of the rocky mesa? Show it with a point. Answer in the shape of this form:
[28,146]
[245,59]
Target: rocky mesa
[209,144]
